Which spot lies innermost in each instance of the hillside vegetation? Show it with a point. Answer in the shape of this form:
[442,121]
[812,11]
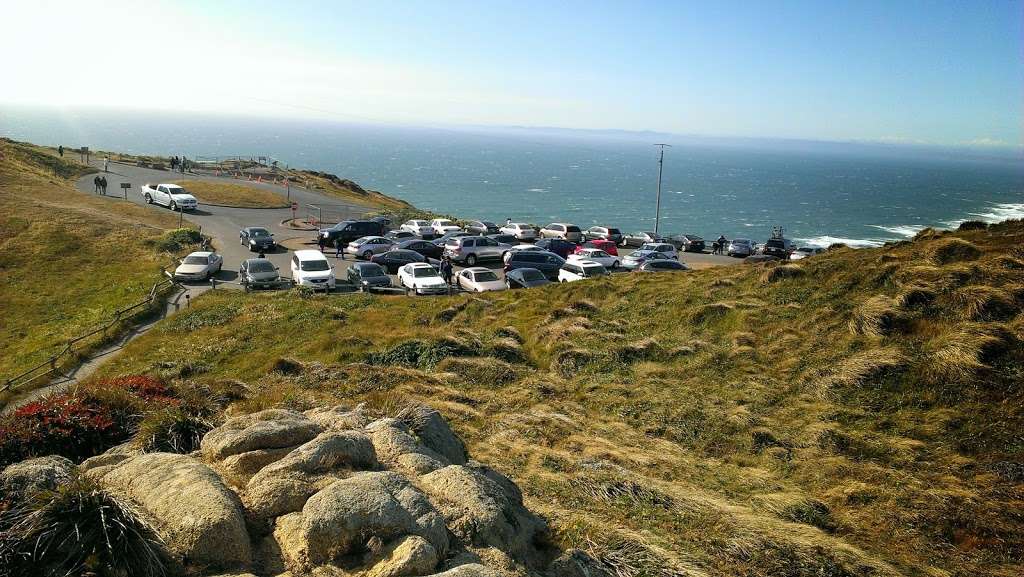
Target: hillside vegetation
[856,413]
[67,259]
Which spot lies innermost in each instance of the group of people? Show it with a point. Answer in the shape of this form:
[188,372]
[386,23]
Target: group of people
[100,184]
[718,247]
[179,164]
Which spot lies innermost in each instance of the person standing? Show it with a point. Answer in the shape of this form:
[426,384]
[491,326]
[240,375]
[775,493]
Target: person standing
[60,150]
[338,252]
[96,184]
[446,271]
[321,241]
[106,165]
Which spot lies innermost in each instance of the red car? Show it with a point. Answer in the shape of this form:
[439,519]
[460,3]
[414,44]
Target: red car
[605,245]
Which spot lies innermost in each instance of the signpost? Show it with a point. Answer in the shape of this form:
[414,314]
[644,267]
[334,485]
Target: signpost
[125,186]
[295,206]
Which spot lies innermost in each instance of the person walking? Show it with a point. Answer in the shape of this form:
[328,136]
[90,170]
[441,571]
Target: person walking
[96,184]
[103,185]
[338,253]
[60,150]
[321,242]
[106,165]
[446,271]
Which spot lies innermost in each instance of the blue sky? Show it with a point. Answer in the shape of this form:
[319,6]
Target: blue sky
[899,71]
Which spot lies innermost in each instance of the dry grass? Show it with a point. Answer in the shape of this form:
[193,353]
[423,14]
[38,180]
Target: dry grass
[231,194]
[782,272]
[953,250]
[980,302]
[877,316]
[955,357]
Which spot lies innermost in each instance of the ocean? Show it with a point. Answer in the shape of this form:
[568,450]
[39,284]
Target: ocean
[820,193]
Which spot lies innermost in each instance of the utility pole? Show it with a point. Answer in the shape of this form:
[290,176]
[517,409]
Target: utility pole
[661,163]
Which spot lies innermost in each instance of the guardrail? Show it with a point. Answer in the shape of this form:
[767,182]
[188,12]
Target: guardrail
[55,362]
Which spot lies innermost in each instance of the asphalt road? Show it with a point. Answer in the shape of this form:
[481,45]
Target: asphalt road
[223,223]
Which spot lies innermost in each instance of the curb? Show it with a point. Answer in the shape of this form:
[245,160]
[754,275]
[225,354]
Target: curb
[283,206]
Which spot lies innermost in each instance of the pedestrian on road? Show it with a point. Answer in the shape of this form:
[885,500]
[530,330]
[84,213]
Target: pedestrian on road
[96,184]
[337,251]
[106,165]
[446,271]
[60,150]
[103,185]
[508,221]
[321,242]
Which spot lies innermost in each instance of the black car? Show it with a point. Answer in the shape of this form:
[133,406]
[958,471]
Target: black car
[443,240]
[399,235]
[257,238]
[562,248]
[546,262]
[525,278]
[424,247]
[395,259]
[687,242]
[504,238]
[776,247]
[367,275]
[662,266]
[481,227]
[347,231]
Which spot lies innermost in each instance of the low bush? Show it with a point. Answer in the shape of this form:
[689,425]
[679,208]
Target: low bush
[782,272]
[953,250]
[174,430]
[177,239]
[570,362]
[482,371]
[972,225]
[420,353]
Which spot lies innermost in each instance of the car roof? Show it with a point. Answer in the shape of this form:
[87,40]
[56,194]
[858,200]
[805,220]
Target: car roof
[476,269]
[365,265]
[419,265]
[585,262]
[310,255]
[200,253]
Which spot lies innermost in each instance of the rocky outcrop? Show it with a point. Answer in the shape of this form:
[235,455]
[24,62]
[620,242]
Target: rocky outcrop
[198,517]
[270,429]
[28,477]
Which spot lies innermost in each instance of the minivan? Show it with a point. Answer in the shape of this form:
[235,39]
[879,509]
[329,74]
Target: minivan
[562,230]
[546,262]
[347,231]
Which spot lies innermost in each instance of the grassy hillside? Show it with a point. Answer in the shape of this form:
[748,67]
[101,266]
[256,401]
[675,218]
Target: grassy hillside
[231,194]
[67,259]
[857,413]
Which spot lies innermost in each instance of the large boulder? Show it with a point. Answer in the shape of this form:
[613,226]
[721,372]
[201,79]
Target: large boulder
[408,556]
[398,446]
[484,509]
[576,563]
[42,473]
[436,434]
[341,519]
[190,507]
[269,429]
[470,570]
[338,417]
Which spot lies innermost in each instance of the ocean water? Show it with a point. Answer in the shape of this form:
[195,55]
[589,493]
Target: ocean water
[819,192]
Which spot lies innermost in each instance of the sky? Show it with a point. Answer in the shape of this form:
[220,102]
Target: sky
[904,71]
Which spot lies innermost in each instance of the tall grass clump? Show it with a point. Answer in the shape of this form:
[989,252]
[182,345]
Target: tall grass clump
[177,239]
[953,250]
[173,430]
[877,316]
[782,272]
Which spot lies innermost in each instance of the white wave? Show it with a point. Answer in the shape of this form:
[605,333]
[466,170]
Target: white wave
[904,230]
[1001,211]
[826,241]
[536,190]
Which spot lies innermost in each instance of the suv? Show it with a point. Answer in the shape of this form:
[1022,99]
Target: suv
[310,268]
[520,230]
[482,227]
[777,247]
[546,262]
[562,230]
[347,231]
[562,248]
[579,270]
[472,249]
[603,233]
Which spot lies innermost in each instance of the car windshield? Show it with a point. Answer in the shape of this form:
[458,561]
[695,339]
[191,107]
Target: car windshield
[424,272]
[572,229]
[371,271]
[259,232]
[175,190]
[314,265]
[532,274]
[594,270]
[445,223]
[261,266]
[741,241]
[485,276]
[488,223]
[196,260]
[650,247]
[774,243]
[419,223]
[613,231]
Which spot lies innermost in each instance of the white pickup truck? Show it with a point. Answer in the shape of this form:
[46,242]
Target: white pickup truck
[170,195]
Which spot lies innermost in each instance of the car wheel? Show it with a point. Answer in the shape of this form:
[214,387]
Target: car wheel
[367,255]
[615,264]
[149,199]
[174,205]
[471,260]
[508,285]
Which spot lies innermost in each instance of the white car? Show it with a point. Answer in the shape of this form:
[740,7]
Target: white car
[804,252]
[368,246]
[422,279]
[443,226]
[580,270]
[479,279]
[665,248]
[199,266]
[597,255]
[170,195]
[420,228]
[521,247]
[311,268]
[520,230]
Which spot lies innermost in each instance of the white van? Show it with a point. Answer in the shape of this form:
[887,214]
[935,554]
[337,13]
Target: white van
[311,268]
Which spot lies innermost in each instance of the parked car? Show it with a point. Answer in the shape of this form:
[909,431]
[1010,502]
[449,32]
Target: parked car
[368,246]
[383,220]
[443,226]
[638,258]
[603,233]
[443,239]
[525,278]
[503,238]
[521,247]
[687,242]
[347,231]
[562,230]
[740,247]
[544,261]
[419,228]
[662,247]
[562,248]
[399,235]
[478,279]
[424,247]
[170,195]
[310,268]
[596,255]
[805,251]
[662,265]
[778,247]
[257,238]
[394,259]
[367,275]
[608,246]
[520,230]
[473,249]
[482,227]
[258,273]
[639,238]
[580,270]
[199,266]
[421,278]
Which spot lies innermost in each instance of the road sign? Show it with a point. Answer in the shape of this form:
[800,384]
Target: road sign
[125,186]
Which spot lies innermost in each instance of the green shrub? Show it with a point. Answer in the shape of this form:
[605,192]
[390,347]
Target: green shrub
[420,353]
[177,239]
[174,430]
